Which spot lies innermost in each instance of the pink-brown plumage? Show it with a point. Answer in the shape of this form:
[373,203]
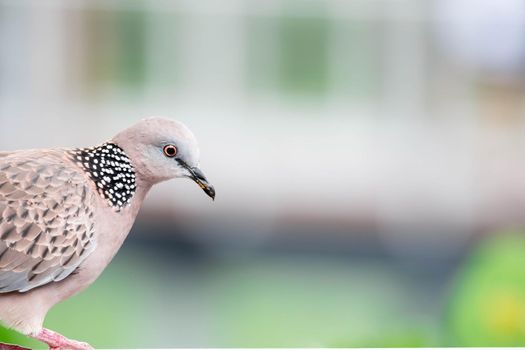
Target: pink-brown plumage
[46,219]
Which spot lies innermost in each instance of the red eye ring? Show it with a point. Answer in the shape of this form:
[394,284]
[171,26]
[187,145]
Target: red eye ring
[170,151]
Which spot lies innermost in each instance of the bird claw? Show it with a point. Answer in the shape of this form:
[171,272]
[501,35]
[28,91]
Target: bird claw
[78,345]
[72,345]
[57,341]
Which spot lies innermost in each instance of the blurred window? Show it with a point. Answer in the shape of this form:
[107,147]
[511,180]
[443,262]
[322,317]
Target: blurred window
[288,53]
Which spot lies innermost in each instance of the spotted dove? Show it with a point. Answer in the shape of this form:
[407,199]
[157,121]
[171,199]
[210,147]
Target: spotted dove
[64,213]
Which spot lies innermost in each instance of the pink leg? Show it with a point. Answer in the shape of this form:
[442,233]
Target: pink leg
[57,341]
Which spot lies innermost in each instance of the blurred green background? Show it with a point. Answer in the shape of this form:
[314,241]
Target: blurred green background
[368,158]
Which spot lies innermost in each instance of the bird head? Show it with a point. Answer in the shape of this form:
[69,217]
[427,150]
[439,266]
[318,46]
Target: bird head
[162,149]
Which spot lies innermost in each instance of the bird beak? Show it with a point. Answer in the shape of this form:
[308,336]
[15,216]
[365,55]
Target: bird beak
[198,176]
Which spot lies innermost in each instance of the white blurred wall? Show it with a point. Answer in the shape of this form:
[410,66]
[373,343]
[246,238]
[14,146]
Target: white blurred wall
[400,136]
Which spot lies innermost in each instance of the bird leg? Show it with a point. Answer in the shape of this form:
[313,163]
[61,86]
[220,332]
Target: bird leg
[57,341]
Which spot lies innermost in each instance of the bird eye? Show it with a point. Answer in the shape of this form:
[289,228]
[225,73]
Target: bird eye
[170,151]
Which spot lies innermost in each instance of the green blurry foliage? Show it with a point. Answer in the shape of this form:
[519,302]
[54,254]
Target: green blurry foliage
[393,338]
[304,303]
[11,337]
[102,315]
[487,307]
[295,302]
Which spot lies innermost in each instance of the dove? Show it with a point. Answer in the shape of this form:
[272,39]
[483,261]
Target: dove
[64,214]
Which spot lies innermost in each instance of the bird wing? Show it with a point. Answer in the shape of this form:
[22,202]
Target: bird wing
[46,219]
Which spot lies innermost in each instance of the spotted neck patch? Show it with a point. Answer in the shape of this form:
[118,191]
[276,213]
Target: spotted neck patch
[111,170]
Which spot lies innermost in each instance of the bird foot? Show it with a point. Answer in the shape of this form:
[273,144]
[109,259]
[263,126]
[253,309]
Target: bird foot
[56,341]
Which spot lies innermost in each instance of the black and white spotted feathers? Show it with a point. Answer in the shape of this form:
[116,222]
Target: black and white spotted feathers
[111,170]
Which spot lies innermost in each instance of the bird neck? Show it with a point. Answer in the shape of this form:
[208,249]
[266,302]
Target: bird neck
[111,170]
[140,193]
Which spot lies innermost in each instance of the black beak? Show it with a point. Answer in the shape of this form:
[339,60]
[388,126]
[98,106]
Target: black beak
[198,176]
[200,179]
